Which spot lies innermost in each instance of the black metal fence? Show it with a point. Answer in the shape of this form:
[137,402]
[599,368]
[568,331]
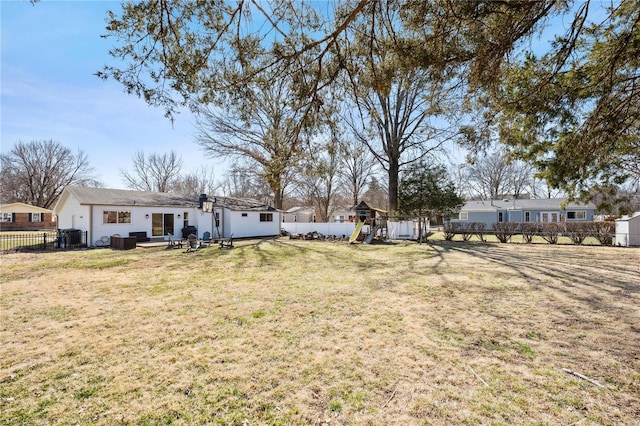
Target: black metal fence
[61,239]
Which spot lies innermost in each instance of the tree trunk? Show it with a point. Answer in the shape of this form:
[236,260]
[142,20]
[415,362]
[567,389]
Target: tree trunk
[354,195]
[277,198]
[393,186]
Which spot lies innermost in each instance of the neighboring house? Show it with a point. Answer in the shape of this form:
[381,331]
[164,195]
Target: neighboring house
[104,212]
[628,230]
[24,217]
[343,214]
[524,210]
[299,214]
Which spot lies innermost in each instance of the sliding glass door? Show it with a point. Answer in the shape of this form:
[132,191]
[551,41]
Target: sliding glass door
[162,224]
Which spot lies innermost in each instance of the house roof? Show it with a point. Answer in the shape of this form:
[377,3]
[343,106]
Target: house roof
[301,210]
[244,204]
[22,208]
[479,206]
[125,197]
[626,218]
[523,204]
[363,205]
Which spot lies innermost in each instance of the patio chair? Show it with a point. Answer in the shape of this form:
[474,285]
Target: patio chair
[192,243]
[172,242]
[227,243]
[206,239]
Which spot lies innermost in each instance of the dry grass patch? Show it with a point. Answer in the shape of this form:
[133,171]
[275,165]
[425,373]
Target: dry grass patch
[301,332]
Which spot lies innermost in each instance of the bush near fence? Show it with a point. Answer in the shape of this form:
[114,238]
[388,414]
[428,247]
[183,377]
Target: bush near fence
[550,232]
[47,240]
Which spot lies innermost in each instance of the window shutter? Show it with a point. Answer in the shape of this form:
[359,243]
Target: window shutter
[13,217]
[30,217]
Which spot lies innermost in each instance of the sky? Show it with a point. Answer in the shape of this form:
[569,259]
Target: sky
[50,52]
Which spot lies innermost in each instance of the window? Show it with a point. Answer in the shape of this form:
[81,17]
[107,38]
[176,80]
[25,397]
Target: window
[463,216]
[124,217]
[217,219]
[577,215]
[527,216]
[6,217]
[244,215]
[500,216]
[36,217]
[266,217]
[111,216]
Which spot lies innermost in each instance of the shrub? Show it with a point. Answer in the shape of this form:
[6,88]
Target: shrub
[480,229]
[466,229]
[578,231]
[529,230]
[603,232]
[505,230]
[450,230]
[550,232]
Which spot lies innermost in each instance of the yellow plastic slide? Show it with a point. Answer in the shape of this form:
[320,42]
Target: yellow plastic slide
[356,231]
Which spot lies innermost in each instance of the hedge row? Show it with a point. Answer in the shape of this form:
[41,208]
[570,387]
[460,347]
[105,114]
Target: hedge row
[549,231]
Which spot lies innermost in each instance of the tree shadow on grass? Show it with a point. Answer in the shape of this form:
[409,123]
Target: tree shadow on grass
[606,280]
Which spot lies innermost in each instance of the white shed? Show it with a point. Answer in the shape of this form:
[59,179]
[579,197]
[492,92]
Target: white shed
[628,230]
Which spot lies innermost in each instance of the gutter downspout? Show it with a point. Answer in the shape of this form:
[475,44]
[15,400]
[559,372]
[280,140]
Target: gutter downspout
[90,233]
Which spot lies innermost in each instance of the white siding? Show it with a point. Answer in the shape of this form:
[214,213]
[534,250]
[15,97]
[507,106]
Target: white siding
[250,225]
[73,215]
[203,221]
[139,222]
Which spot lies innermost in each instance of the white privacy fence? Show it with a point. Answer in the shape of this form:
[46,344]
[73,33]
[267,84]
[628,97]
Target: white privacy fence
[406,229]
[403,230]
[338,229]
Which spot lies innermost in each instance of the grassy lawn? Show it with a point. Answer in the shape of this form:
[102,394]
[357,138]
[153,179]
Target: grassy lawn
[312,332]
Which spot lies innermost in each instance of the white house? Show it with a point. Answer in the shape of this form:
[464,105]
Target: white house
[104,212]
[628,230]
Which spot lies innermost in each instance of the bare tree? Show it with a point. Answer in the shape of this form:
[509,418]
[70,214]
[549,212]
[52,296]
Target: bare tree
[318,177]
[264,128]
[36,172]
[157,172]
[617,200]
[243,181]
[402,114]
[495,176]
[356,167]
[198,182]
